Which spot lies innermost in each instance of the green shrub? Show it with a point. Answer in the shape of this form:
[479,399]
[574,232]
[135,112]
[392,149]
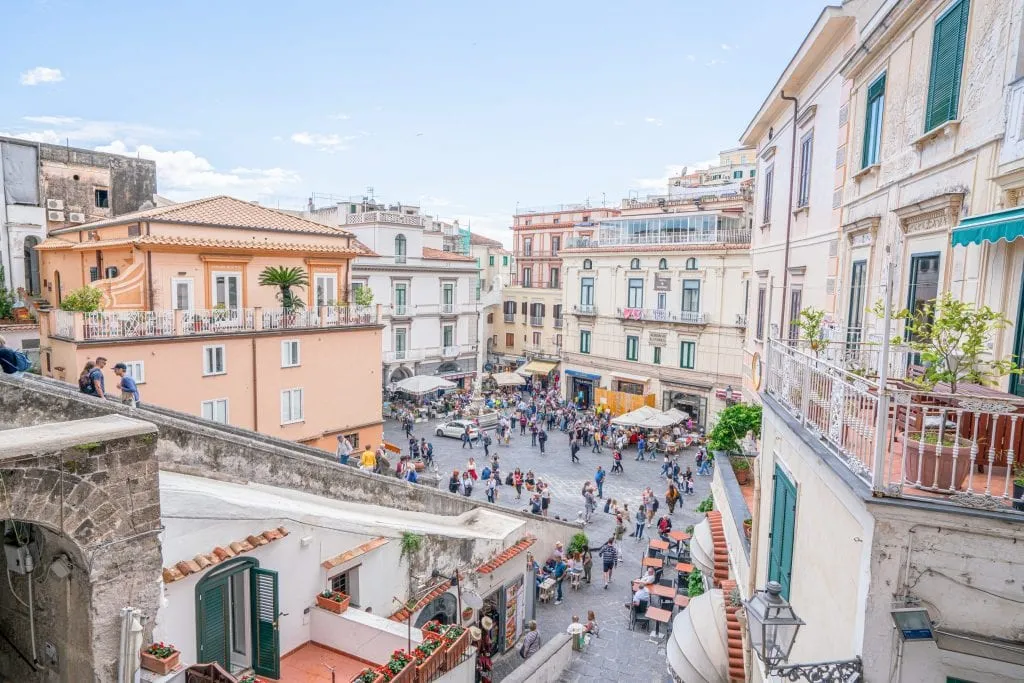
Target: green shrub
[578,543]
[84,300]
[695,585]
[363,296]
[706,505]
[733,424]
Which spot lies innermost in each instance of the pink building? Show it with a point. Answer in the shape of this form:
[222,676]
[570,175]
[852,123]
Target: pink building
[182,308]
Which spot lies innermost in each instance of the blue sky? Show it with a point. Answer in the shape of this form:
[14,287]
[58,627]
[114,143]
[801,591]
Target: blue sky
[465,107]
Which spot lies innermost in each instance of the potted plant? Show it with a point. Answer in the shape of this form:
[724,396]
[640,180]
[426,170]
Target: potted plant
[733,424]
[811,330]
[285,278]
[400,668]
[160,658]
[950,338]
[1018,488]
[578,543]
[432,627]
[741,466]
[706,505]
[368,675]
[457,640]
[747,527]
[429,656]
[333,601]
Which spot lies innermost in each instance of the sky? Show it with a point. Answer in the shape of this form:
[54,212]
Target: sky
[471,109]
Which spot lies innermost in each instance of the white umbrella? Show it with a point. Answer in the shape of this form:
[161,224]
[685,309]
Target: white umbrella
[679,415]
[636,417]
[508,379]
[423,384]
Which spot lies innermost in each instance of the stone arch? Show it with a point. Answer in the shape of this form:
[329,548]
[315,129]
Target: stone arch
[447,368]
[400,373]
[444,608]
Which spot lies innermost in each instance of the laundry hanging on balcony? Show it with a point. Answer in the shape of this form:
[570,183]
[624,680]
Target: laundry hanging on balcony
[990,227]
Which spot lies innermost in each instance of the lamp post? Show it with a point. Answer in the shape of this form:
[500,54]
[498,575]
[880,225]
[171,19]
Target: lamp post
[773,626]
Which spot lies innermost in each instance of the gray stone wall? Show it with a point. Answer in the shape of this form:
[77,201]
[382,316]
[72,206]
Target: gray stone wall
[131,181]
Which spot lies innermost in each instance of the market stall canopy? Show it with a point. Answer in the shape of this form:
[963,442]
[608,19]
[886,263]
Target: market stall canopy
[508,379]
[423,384]
[636,417]
[680,415]
[660,421]
[990,227]
[537,367]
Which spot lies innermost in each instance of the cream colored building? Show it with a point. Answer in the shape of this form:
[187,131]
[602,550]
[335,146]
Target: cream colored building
[734,166]
[656,302]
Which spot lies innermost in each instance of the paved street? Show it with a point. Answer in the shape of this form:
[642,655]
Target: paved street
[618,654]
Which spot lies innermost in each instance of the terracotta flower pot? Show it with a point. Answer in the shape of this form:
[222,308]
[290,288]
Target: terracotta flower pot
[377,677]
[160,665]
[331,604]
[435,662]
[932,457]
[456,648]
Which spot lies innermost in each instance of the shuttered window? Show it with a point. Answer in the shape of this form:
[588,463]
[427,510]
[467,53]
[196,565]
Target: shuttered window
[213,624]
[873,122]
[781,536]
[947,65]
[632,347]
[806,154]
[265,634]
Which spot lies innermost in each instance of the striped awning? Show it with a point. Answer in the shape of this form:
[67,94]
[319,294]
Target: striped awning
[990,227]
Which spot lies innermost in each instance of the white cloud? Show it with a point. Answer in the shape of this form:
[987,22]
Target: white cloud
[182,174]
[726,46]
[618,123]
[715,62]
[653,121]
[691,58]
[331,142]
[41,74]
[339,117]
[59,129]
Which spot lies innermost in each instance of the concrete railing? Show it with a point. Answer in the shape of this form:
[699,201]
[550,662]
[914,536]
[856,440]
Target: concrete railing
[547,664]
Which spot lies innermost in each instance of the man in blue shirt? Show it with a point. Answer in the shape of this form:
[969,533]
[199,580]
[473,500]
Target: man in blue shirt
[129,390]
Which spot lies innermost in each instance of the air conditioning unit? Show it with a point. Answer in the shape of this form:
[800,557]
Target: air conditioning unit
[76,217]
[55,216]
[55,204]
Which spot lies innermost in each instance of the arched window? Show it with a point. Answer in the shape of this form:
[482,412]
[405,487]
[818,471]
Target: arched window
[400,249]
[634,264]
[588,264]
[691,263]
[663,264]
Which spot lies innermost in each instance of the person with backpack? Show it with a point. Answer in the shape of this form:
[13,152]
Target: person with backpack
[487,444]
[599,480]
[13,362]
[609,555]
[91,380]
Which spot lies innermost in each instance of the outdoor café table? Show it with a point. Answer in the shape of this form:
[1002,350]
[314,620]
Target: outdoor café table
[660,616]
[679,536]
[659,544]
[684,568]
[655,562]
[681,601]
[667,593]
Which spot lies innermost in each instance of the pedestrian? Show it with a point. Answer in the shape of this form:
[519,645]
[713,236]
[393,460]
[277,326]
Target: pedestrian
[542,438]
[94,384]
[492,488]
[531,641]
[588,564]
[608,555]
[409,472]
[517,481]
[671,497]
[641,519]
[536,507]
[522,424]
[466,440]
[427,448]
[619,531]
[545,499]
[640,443]
[666,467]
[471,469]
[652,508]
[487,443]
[13,362]
[591,626]
[408,427]
[688,480]
[559,574]
[453,482]
[368,460]
[705,465]
[129,390]
[574,449]
[344,449]
[467,485]
[617,461]
[599,480]
[589,504]
[533,433]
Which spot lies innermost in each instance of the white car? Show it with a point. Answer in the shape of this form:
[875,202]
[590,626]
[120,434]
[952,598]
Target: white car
[456,428]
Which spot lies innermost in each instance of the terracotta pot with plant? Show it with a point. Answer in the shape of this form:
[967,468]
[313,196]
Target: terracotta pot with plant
[333,601]
[950,337]
[429,656]
[741,466]
[747,527]
[369,675]
[160,658]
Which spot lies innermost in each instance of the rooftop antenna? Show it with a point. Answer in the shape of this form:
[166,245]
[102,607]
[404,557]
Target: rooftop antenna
[369,192]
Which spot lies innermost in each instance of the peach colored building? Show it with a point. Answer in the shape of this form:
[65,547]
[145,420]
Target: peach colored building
[182,307]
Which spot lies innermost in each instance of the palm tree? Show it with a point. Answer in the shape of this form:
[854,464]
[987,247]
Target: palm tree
[284,278]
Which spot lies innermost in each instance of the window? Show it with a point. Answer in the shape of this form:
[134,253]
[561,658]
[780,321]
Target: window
[584,341]
[134,230]
[102,199]
[400,249]
[325,288]
[588,264]
[657,355]
[510,339]
[347,582]
[528,246]
[136,369]
[691,296]
[490,318]
[634,264]
[737,175]
[687,354]
[448,294]
[290,353]
[947,65]
[556,219]
[761,293]
[632,347]
[490,260]
[448,335]
[181,294]
[806,149]
[556,311]
[536,310]
[291,406]
[924,282]
[795,302]
[769,185]
[213,360]
[635,293]
[536,338]
[401,298]
[753,172]
[524,306]
[401,342]
[781,534]
[873,122]
[587,291]
[558,340]
[556,244]
[527,277]
[855,319]
[662,302]
[215,410]
[553,281]
[504,260]
[663,264]
[227,289]
[691,263]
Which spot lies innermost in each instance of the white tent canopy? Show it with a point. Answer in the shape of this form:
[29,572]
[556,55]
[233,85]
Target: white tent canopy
[508,379]
[423,384]
[636,417]
[650,418]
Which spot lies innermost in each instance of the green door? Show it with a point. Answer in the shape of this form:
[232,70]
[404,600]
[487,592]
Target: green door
[781,536]
[1016,381]
[266,651]
[213,626]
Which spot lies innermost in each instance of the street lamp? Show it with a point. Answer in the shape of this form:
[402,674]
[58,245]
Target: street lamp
[773,625]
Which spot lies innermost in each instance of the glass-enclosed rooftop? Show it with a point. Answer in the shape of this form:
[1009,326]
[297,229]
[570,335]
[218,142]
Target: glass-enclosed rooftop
[696,228]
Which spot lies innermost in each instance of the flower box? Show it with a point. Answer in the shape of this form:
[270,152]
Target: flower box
[368,675]
[159,658]
[333,601]
[401,668]
[429,664]
[457,639]
[432,628]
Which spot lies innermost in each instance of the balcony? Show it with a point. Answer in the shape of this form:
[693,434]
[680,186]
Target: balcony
[400,310]
[121,325]
[387,217]
[584,309]
[447,309]
[558,323]
[890,439]
[536,321]
[402,355]
[510,317]
[450,351]
[693,318]
[663,315]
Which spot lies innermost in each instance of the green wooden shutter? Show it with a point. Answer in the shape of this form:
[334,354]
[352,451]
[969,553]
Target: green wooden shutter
[212,626]
[266,655]
[947,65]
[872,122]
[780,560]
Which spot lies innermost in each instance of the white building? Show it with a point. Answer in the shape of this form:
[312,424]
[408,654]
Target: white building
[22,215]
[429,295]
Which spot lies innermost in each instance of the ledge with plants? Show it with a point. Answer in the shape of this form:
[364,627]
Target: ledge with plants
[160,658]
[430,657]
[333,601]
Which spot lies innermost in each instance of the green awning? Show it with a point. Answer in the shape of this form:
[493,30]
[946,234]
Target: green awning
[990,227]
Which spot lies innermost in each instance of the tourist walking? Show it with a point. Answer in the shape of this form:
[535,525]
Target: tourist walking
[599,480]
[574,449]
[609,555]
[344,449]
[542,438]
[129,391]
[491,488]
[641,522]
[368,460]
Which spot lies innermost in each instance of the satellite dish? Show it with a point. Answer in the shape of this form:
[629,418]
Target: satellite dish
[471,599]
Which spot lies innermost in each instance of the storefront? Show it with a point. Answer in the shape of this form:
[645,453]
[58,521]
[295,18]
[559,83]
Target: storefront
[542,371]
[630,384]
[687,400]
[506,612]
[581,387]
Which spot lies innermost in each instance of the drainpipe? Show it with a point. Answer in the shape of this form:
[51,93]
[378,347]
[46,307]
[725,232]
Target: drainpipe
[149,273]
[255,389]
[789,214]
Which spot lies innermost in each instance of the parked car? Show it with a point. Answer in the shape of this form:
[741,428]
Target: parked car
[456,428]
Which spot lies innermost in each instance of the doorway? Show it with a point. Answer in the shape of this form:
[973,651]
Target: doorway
[227,289]
[583,392]
[31,265]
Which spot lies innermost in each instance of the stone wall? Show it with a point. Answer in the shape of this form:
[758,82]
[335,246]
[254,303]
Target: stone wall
[86,490]
[130,181]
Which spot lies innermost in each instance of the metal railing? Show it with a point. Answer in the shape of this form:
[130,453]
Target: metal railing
[276,320]
[217,320]
[739,236]
[400,310]
[447,309]
[400,258]
[693,317]
[449,351]
[559,322]
[121,324]
[663,315]
[584,309]
[392,217]
[510,317]
[952,448]
[536,321]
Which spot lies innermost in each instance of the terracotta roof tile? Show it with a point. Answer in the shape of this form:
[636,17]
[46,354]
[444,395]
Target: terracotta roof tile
[505,555]
[721,549]
[337,560]
[734,634]
[435,592]
[204,561]
[142,241]
[438,255]
[480,240]
[222,211]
